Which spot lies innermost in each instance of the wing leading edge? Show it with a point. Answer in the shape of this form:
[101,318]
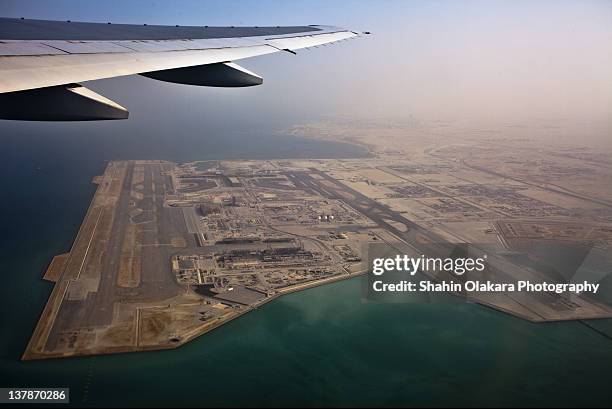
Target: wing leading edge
[41,61]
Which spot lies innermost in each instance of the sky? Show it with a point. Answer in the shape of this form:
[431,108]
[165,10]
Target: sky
[481,60]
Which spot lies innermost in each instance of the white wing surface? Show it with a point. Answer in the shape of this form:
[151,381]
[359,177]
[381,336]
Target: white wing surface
[42,61]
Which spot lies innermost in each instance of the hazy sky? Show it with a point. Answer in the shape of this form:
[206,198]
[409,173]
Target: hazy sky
[433,59]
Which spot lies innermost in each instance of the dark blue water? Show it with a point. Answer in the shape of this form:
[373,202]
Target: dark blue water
[320,347]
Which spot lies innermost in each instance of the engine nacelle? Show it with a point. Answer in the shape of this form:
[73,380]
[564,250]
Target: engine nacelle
[71,102]
[210,75]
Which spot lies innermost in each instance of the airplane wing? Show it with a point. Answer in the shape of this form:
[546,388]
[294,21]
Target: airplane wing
[42,62]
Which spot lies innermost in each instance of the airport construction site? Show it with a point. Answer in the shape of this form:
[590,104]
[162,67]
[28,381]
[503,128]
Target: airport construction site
[168,252]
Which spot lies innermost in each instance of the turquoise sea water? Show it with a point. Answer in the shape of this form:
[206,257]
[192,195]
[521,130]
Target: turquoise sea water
[320,347]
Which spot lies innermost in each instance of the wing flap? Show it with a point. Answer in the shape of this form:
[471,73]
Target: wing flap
[295,43]
[9,49]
